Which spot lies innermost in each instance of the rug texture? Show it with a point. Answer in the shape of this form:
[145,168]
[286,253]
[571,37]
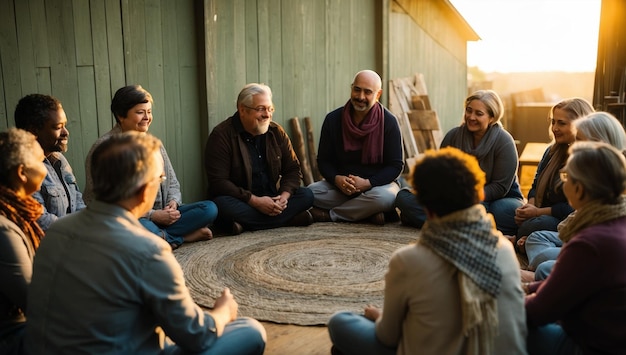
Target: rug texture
[295,275]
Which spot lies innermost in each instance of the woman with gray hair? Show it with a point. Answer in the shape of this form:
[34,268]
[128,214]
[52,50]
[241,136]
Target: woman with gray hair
[543,247]
[581,307]
[481,134]
[21,173]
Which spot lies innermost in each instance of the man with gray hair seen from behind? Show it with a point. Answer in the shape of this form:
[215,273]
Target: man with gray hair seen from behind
[102,283]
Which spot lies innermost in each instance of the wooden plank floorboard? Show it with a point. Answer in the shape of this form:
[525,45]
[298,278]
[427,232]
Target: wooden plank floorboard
[286,339]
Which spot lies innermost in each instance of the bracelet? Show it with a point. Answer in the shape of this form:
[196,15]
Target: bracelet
[150,215]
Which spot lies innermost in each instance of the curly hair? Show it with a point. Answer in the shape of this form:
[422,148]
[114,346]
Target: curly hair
[32,111]
[448,180]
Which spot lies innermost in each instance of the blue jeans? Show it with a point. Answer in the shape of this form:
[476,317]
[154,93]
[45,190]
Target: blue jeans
[244,336]
[411,212]
[542,246]
[354,334]
[544,269]
[233,209]
[503,211]
[551,339]
[541,223]
[193,216]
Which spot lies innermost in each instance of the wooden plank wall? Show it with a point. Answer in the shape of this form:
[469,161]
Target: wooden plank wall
[306,51]
[440,58]
[82,51]
[194,56]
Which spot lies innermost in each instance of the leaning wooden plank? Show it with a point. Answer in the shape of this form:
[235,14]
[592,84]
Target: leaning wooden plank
[312,152]
[399,106]
[424,120]
[410,148]
[420,102]
[298,146]
[419,84]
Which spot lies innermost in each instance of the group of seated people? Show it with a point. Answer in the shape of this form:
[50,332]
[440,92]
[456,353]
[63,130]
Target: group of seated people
[105,279]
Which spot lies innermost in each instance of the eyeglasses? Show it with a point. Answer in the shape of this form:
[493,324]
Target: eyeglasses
[564,176]
[261,109]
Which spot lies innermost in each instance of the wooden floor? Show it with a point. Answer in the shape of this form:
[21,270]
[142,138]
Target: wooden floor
[285,339]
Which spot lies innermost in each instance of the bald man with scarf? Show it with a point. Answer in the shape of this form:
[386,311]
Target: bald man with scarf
[359,156]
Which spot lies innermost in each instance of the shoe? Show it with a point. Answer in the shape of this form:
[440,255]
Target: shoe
[236,229]
[302,219]
[320,215]
[377,218]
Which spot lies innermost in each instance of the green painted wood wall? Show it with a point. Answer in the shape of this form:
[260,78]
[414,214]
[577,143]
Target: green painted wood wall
[441,60]
[195,55]
[306,51]
[82,51]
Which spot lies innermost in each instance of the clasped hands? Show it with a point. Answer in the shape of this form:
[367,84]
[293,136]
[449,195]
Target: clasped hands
[526,212]
[270,205]
[167,215]
[352,184]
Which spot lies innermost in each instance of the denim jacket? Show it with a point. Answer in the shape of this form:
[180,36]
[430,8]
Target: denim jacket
[53,196]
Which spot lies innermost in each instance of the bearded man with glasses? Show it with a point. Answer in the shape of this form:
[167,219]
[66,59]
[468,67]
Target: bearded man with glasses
[254,174]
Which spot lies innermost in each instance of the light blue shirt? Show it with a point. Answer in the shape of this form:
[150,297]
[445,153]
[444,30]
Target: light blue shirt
[102,284]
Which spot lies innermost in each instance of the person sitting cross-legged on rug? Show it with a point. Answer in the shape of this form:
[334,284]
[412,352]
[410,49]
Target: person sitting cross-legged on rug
[254,173]
[482,135]
[359,156]
[456,290]
[547,205]
[103,284]
[168,218]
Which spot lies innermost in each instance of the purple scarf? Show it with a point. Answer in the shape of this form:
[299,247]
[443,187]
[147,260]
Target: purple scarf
[368,136]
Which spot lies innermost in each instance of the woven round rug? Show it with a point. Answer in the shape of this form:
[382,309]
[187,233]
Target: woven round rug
[295,275]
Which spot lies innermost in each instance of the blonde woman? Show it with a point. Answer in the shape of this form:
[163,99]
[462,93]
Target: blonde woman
[547,205]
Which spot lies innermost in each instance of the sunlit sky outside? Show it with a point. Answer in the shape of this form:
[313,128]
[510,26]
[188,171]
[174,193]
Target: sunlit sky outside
[532,35]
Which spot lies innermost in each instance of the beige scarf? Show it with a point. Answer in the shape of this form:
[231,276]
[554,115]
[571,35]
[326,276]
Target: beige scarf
[468,239]
[593,213]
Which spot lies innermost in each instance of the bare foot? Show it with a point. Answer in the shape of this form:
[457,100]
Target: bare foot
[527,275]
[521,244]
[203,233]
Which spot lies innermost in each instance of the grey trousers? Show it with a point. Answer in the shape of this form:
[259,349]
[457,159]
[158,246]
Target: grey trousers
[357,207]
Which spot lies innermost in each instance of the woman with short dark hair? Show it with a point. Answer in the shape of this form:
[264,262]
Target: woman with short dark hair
[169,218]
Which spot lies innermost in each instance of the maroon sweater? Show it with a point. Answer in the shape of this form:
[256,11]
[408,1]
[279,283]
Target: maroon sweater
[586,290]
